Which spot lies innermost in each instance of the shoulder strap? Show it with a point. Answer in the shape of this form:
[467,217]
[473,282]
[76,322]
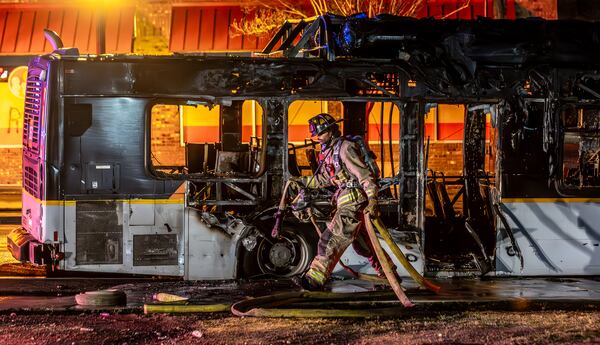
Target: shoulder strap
[337,161]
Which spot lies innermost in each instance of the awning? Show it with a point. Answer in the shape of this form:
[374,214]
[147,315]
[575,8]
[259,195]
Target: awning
[455,9]
[22,25]
[206,28]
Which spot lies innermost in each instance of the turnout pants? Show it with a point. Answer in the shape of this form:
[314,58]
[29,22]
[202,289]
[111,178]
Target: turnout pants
[346,227]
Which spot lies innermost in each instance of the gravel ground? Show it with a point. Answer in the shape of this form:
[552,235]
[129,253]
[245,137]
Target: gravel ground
[472,327]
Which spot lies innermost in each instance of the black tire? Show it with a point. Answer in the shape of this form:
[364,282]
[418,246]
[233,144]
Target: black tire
[284,257]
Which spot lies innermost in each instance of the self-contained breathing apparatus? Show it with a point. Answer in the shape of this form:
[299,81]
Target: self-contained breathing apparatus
[305,196]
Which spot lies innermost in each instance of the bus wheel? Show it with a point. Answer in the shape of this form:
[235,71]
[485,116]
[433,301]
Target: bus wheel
[286,256]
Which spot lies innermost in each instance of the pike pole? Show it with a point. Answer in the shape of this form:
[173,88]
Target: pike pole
[385,264]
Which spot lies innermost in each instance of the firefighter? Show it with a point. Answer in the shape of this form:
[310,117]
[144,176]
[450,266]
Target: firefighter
[341,165]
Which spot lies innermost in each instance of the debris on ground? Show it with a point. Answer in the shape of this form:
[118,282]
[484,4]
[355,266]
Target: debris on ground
[466,327]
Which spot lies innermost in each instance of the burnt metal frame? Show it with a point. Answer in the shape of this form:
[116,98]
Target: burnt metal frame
[276,131]
[411,202]
[304,30]
[497,79]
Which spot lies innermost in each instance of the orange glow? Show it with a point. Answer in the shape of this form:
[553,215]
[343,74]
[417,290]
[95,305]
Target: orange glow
[11,109]
[95,4]
[77,26]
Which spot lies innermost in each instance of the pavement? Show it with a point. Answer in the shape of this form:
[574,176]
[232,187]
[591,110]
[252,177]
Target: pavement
[10,218]
[5,256]
[43,295]
[10,205]
[10,198]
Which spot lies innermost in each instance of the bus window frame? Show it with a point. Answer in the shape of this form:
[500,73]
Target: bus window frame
[201,177]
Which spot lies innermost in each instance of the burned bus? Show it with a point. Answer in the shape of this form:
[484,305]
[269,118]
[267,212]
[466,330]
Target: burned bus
[115,180]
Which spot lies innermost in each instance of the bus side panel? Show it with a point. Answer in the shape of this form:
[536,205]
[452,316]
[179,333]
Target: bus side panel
[555,238]
[31,218]
[100,237]
[52,221]
[361,264]
[105,151]
[43,220]
[210,252]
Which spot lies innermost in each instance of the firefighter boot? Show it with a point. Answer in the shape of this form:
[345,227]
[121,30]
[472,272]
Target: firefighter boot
[312,280]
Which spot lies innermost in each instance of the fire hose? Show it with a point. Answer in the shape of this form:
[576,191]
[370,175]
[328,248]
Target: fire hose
[385,264]
[280,210]
[371,224]
[385,234]
[305,303]
[263,306]
[299,304]
[302,304]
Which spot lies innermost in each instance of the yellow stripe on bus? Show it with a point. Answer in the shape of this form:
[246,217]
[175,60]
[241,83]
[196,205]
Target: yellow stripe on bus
[131,201]
[154,201]
[549,200]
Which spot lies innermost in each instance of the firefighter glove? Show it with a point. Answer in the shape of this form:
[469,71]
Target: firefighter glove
[372,208]
[298,181]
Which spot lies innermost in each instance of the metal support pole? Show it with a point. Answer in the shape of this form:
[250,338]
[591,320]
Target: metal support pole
[101,32]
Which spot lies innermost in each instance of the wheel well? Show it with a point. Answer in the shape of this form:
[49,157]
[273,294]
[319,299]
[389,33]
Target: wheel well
[291,225]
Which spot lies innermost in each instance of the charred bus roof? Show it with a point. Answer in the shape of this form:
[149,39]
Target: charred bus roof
[385,56]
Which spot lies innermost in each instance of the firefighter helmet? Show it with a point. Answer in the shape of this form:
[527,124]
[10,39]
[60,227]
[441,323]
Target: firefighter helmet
[320,123]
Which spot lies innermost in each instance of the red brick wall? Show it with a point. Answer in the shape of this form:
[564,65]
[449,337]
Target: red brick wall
[443,157]
[165,136]
[10,166]
[448,159]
